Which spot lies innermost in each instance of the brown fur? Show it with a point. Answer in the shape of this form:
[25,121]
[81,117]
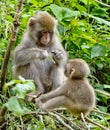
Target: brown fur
[76,93]
[30,58]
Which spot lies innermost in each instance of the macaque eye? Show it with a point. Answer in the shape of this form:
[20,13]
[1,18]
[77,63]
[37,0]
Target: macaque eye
[51,32]
[45,32]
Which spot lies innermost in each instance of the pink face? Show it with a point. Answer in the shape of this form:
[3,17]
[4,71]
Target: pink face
[46,37]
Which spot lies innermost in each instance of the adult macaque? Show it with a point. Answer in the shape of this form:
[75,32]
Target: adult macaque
[31,55]
[76,93]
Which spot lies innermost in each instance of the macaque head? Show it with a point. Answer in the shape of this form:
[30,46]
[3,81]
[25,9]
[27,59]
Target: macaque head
[42,28]
[77,69]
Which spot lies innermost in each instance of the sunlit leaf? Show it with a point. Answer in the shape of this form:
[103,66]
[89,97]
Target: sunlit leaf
[63,13]
[20,90]
[10,84]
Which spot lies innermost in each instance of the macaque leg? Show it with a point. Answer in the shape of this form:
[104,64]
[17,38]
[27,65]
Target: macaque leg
[57,76]
[39,86]
[53,103]
[53,94]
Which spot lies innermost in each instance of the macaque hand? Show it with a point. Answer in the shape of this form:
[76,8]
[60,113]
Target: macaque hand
[57,54]
[44,54]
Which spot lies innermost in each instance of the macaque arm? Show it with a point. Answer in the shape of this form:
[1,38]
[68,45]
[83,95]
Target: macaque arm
[62,54]
[58,92]
[53,103]
[25,56]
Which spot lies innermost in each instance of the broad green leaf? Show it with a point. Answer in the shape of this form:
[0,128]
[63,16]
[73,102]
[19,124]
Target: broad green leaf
[10,84]
[20,90]
[97,50]
[16,106]
[63,13]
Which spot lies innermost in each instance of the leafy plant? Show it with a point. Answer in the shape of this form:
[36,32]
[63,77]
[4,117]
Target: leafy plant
[84,28]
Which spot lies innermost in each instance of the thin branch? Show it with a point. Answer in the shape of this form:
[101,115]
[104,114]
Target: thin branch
[3,111]
[106,114]
[60,120]
[102,3]
[102,92]
[89,120]
[68,120]
[21,122]
[2,126]
[16,24]
[83,119]
[41,119]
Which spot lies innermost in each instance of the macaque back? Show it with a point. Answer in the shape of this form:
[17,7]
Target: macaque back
[81,93]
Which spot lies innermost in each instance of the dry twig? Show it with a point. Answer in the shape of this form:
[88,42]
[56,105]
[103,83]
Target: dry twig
[16,24]
[60,120]
[106,114]
[102,3]
[101,92]
[83,119]
[102,127]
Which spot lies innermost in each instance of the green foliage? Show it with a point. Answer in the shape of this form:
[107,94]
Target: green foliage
[84,28]
[63,13]
[97,50]
[17,90]
[22,87]
[17,106]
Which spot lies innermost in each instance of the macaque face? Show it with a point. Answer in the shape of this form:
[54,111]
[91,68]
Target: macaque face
[42,27]
[45,37]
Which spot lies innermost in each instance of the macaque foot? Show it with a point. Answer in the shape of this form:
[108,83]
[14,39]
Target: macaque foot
[38,103]
[33,95]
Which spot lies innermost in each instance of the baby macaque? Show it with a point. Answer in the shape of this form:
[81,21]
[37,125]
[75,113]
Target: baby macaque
[76,93]
[31,56]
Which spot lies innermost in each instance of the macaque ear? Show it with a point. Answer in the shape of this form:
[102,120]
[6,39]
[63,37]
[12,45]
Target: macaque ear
[72,72]
[31,21]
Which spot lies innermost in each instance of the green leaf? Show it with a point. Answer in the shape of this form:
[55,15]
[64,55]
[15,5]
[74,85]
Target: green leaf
[51,59]
[63,13]
[16,106]
[20,90]
[10,84]
[106,86]
[102,108]
[99,12]
[97,50]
